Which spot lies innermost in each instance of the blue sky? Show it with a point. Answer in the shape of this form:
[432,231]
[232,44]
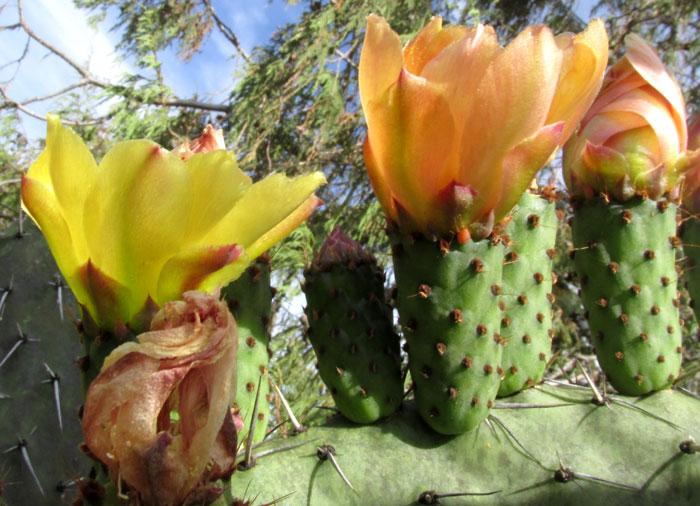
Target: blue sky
[210,74]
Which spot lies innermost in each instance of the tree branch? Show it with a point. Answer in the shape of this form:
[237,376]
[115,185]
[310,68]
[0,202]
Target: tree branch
[226,30]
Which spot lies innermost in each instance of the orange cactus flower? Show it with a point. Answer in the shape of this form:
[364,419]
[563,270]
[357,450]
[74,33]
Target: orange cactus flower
[458,126]
[184,366]
[146,224]
[633,140]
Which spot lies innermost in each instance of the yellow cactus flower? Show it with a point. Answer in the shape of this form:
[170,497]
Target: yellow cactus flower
[458,126]
[143,226]
[633,140]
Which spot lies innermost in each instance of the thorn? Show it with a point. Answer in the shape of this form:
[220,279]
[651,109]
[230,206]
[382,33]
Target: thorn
[20,340]
[599,399]
[518,443]
[432,497]
[327,452]
[54,379]
[282,449]
[5,293]
[58,283]
[298,428]
[22,447]
[251,430]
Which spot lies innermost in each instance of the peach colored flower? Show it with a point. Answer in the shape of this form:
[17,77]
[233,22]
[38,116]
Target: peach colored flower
[458,126]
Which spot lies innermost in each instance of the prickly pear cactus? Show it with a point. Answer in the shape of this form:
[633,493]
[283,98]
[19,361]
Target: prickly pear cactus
[351,330]
[40,384]
[249,299]
[625,258]
[448,303]
[526,325]
[572,452]
[690,235]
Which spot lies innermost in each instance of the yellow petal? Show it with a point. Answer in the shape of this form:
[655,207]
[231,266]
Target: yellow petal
[44,210]
[379,183]
[136,215]
[585,57]
[216,184]
[381,59]
[199,268]
[265,205]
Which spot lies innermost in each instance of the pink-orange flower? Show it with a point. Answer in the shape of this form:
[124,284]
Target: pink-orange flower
[691,185]
[634,137]
[158,413]
[458,126]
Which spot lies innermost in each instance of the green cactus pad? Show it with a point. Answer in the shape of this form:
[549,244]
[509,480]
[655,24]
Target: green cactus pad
[625,258]
[393,462]
[249,298]
[27,404]
[690,235]
[527,282]
[351,330]
[447,298]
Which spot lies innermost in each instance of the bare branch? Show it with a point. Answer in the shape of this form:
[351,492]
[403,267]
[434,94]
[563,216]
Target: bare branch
[194,104]
[80,69]
[226,30]
[13,103]
[79,84]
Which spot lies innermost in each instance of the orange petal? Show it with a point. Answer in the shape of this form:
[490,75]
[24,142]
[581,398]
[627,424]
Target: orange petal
[429,42]
[511,104]
[381,59]
[524,161]
[585,57]
[411,133]
[379,182]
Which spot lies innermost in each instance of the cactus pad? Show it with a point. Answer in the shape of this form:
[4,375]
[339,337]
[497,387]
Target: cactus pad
[351,330]
[447,298]
[527,282]
[625,258]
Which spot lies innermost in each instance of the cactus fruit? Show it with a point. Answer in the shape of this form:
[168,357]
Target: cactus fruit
[527,456]
[526,325]
[40,385]
[448,303]
[625,257]
[249,299]
[351,330]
